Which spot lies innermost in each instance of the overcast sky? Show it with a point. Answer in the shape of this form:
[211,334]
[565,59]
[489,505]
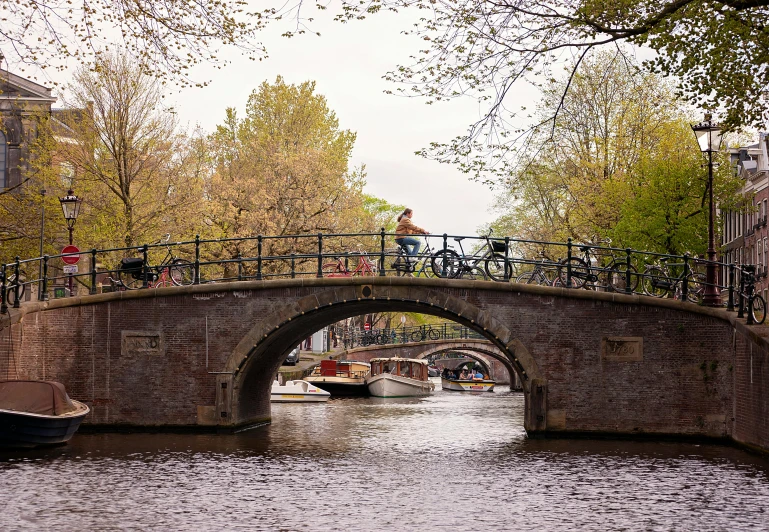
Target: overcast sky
[347,62]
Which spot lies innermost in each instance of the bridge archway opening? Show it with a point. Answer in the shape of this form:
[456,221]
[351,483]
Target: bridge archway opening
[243,394]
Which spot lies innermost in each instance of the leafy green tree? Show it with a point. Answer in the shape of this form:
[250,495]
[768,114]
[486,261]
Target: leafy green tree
[621,154]
[283,169]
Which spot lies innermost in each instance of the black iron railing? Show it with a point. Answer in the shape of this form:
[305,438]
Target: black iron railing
[594,265]
[351,337]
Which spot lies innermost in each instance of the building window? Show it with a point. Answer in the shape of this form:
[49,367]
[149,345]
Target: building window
[3,161]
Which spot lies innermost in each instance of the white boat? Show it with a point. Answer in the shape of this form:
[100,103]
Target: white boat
[399,377]
[297,392]
[343,378]
[468,385]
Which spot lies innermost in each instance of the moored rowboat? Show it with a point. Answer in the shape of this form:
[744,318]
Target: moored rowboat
[37,413]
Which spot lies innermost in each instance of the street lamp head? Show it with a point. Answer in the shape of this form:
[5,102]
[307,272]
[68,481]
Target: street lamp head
[708,134]
[70,204]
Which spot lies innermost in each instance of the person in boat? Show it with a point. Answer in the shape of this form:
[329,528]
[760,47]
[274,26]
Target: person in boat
[478,376]
[463,376]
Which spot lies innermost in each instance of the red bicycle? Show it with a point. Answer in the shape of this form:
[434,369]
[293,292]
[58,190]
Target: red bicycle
[340,268]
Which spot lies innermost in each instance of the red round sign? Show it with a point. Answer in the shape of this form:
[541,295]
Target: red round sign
[72,259]
[367,326]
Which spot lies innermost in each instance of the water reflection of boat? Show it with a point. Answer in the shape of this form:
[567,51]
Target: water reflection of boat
[399,377]
[468,385]
[341,378]
[297,392]
[37,413]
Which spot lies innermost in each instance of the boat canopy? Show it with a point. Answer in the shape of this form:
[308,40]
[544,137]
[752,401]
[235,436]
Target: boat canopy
[36,397]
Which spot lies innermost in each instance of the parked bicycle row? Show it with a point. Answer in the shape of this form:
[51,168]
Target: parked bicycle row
[401,335]
[595,265]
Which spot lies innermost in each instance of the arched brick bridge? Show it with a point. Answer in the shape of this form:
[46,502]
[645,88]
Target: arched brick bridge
[589,362]
[491,356]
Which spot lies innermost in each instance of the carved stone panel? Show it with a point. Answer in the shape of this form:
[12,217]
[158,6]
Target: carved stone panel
[142,343]
[622,348]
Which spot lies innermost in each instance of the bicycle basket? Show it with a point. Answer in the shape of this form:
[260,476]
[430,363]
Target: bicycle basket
[132,266]
[498,247]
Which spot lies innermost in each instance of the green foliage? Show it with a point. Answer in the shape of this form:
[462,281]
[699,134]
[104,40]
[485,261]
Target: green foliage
[383,212]
[620,161]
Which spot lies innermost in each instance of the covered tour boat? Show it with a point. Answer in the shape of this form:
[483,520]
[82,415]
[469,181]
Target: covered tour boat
[399,377]
[341,378]
[297,392]
[37,413]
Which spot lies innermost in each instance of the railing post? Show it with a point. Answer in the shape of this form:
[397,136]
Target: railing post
[382,265]
[320,255]
[259,258]
[146,267]
[240,267]
[740,297]
[444,331]
[196,280]
[445,249]
[628,275]
[44,294]
[685,287]
[293,266]
[507,258]
[730,303]
[3,293]
[568,263]
[16,302]
[93,271]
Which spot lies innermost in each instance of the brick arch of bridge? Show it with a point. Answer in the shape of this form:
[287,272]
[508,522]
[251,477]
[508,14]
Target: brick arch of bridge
[490,356]
[243,394]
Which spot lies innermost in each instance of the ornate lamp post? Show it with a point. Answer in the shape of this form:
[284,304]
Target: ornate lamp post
[709,139]
[70,204]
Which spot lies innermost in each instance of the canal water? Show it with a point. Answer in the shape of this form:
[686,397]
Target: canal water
[452,461]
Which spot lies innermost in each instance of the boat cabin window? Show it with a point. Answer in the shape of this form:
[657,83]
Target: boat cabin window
[405,369]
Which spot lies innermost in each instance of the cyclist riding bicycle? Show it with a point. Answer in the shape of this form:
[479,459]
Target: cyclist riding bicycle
[405,228]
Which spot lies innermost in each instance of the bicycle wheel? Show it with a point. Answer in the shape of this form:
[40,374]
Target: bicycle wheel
[495,267]
[473,273]
[433,334]
[758,309]
[181,272]
[417,336]
[656,283]
[10,291]
[695,288]
[335,269]
[618,277]
[579,272]
[128,281]
[448,259]
[528,278]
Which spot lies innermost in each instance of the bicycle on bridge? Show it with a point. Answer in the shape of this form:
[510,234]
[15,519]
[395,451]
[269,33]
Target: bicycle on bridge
[750,301]
[672,279]
[448,263]
[587,272]
[172,271]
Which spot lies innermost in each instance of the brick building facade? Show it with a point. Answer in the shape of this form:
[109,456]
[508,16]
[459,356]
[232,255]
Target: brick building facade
[744,234]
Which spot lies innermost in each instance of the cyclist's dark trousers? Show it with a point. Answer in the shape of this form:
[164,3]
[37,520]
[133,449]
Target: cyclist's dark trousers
[411,244]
